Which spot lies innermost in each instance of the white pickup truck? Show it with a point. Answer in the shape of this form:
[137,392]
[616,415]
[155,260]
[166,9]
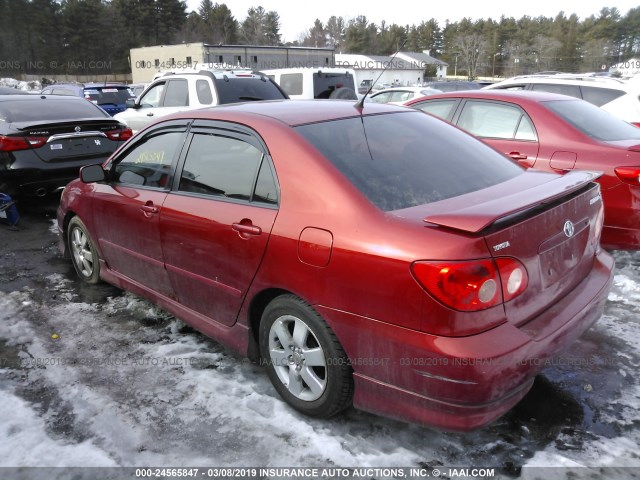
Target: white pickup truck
[173,92]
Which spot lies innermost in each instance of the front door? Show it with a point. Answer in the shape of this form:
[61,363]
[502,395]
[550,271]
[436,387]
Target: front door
[127,207]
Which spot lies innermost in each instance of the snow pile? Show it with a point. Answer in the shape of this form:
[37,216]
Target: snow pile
[20,85]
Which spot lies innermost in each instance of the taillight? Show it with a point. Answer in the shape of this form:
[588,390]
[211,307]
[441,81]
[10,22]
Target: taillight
[120,135]
[12,144]
[635,124]
[472,285]
[629,175]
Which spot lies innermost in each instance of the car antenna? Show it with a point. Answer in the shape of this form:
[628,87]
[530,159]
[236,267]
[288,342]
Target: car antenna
[360,103]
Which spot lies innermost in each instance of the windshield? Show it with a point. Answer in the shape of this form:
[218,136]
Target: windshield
[593,121]
[324,84]
[240,89]
[108,94]
[402,160]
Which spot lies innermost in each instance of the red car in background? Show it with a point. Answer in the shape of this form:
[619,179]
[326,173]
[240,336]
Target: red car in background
[369,254]
[556,133]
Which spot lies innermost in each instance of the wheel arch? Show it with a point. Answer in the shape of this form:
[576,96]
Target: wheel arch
[256,308]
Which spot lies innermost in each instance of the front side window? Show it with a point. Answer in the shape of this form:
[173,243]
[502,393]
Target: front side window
[149,163]
[382,97]
[152,98]
[226,167]
[439,108]
[402,160]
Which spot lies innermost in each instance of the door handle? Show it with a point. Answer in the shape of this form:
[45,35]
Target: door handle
[246,229]
[150,114]
[149,210]
[517,156]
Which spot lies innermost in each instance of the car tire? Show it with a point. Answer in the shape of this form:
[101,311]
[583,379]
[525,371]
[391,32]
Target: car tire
[84,254]
[305,361]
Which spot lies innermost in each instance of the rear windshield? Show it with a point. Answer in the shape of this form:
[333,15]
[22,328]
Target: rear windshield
[234,90]
[107,94]
[324,84]
[594,121]
[60,108]
[402,160]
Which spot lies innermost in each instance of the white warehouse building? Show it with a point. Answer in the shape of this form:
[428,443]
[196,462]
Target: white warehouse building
[407,68]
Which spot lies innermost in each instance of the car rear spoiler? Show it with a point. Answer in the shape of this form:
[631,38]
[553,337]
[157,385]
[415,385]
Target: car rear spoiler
[39,124]
[477,217]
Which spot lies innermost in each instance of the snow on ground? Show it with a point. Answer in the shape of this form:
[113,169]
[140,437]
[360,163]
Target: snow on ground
[95,376]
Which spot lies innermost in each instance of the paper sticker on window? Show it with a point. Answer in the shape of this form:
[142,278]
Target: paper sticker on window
[150,157]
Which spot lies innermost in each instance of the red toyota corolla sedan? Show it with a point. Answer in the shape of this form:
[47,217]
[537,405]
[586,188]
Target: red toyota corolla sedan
[375,256]
[557,133]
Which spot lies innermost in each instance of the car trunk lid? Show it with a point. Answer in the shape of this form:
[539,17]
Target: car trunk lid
[545,221]
[60,141]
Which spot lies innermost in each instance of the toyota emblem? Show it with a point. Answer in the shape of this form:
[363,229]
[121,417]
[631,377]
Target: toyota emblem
[568,228]
[77,129]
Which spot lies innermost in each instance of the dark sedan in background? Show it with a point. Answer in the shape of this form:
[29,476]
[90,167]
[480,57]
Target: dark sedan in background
[556,133]
[44,140]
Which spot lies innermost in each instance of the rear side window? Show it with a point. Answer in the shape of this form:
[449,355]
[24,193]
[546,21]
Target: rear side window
[570,90]
[42,110]
[204,92]
[148,164]
[177,94]
[594,121]
[600,96]
[220,166]
[495,120]
[401,160]
[234,90]
[291,83]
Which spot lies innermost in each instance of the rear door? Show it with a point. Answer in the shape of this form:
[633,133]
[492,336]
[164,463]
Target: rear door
[216,223]
[127,207]
[504,126]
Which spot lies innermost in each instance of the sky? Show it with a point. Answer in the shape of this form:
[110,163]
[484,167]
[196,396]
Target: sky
[296,17]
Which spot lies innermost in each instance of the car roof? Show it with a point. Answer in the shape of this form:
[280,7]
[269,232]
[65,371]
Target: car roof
[535,96]
[565,79]
[105,85]
[35,98]
[404,89]
[291,112]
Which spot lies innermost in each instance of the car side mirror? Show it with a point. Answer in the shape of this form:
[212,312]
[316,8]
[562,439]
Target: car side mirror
[92,174]
[131,103]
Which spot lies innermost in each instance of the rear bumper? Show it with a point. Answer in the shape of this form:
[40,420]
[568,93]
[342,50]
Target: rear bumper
[463,383]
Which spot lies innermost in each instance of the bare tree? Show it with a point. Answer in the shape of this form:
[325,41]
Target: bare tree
[472,47]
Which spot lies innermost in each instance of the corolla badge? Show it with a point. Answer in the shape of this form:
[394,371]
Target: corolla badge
[77,129]
[568,229]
